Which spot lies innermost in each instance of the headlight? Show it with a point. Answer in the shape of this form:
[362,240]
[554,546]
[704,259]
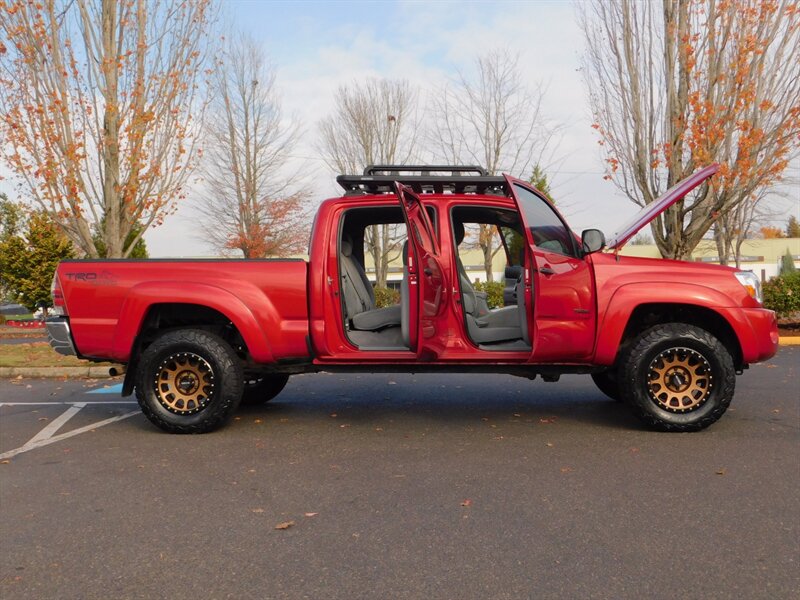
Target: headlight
[751,283]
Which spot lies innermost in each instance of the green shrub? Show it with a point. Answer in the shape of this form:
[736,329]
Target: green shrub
[494,292]
[2,319]
[782,294]
[386,297]
[787,264]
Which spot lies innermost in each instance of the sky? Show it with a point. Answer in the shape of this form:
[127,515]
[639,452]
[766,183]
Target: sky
[317,46]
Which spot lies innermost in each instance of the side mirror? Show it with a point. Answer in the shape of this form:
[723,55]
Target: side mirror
[592,240]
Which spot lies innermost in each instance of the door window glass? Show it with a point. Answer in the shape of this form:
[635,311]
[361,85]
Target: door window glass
[548,230]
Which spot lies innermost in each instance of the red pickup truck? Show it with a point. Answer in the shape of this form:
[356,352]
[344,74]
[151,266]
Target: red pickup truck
[199,336]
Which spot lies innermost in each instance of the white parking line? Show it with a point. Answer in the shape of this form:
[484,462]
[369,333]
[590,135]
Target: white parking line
[65,403]
[47,435]
[55,424]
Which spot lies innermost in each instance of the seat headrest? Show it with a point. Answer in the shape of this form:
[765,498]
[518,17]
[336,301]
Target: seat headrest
[458,232]
[347,246]
[405,253]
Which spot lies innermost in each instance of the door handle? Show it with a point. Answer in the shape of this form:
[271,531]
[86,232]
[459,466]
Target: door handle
[546,271]
[427,271]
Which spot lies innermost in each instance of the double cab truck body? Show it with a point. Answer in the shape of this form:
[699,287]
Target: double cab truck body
[199,336]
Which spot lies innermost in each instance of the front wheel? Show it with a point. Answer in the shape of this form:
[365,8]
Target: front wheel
[189,381]
[677,377]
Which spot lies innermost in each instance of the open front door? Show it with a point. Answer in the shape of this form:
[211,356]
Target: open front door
[426,286]
[562,308]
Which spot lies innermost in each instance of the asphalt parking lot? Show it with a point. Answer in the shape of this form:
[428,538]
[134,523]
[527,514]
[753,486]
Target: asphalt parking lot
[401,486]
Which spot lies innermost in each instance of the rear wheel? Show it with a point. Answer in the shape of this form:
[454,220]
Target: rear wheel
[189,381]
[677,377]
[261,389]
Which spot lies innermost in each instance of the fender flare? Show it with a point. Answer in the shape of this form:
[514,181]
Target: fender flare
[143,296]
[627,298]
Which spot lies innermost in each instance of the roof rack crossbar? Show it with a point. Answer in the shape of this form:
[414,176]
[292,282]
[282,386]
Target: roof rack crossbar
[425,169]
[423,184]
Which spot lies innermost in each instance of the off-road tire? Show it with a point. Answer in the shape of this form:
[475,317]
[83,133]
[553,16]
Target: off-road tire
[685,345]
[205,354]
[608,383]
[261,389]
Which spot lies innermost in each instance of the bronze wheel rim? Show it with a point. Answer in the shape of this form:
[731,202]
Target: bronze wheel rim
[679,380]
[184,383]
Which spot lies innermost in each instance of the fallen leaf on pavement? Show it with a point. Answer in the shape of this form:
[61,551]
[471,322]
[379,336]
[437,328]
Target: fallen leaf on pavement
[467,502]
[257,510]
[721,471]
[310,514]
[284,525]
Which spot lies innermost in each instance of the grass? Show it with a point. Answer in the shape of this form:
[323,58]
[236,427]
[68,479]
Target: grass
[21,332]
[38,354]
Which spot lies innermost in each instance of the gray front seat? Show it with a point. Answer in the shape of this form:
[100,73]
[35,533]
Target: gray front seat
[485,326]
[359,299]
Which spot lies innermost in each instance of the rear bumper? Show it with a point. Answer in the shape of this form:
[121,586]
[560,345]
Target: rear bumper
[59,336]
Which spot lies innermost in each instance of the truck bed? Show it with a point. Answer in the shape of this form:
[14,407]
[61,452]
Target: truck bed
[108,300]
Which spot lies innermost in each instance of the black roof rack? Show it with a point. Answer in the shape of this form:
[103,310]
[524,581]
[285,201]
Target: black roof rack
[424,169]
[431,179]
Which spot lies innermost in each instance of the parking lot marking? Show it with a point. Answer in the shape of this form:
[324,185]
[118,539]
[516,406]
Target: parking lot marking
[87,403]
[55,424]
[112,389]
[40,439]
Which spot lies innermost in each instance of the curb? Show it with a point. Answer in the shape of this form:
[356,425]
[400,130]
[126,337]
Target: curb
[93,372]
[102,372]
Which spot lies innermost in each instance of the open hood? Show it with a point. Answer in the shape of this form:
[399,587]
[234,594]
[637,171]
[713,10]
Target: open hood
[658,206]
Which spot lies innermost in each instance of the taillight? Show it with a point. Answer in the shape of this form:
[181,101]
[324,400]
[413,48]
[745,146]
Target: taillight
[59,306]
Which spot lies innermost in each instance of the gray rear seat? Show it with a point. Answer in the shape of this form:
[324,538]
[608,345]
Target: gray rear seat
[359,299]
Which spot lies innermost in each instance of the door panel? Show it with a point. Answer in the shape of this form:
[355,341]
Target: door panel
[426,283]
[564,309]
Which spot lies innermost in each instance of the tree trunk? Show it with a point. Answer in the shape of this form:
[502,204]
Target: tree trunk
[487,260]
[110,148]
[373,247]
[721,240]
[383,275]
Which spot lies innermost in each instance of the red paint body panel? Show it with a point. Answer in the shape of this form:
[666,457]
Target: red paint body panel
[624,283]
[266,300]
[580,305]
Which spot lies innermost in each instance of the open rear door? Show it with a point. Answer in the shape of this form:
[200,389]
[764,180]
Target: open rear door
[426,286]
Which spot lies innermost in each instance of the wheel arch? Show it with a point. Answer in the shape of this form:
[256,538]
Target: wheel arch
[145,298]
[647,315]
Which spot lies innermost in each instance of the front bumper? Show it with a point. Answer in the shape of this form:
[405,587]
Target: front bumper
[757,330]
[59,336]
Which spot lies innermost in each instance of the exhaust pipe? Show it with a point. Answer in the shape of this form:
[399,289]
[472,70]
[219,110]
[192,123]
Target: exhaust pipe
[114,371]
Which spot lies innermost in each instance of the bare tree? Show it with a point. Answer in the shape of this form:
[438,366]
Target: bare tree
[253,203]
[739,224]
[373,122]
[492,120]
[677,84]
[97,106]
